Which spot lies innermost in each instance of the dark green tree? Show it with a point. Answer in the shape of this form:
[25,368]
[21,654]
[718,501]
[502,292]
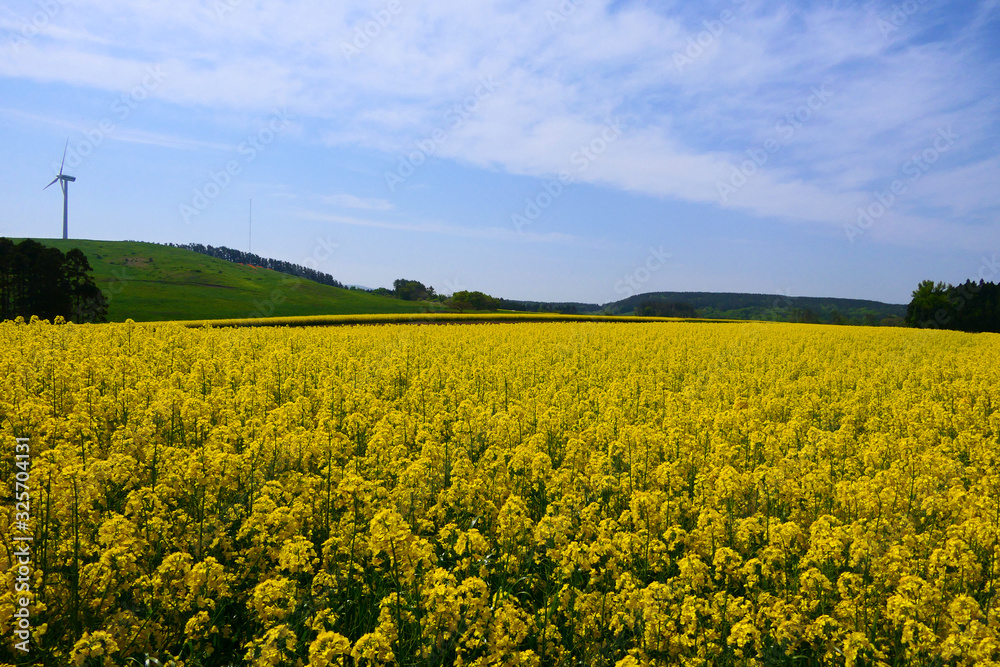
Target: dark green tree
[40,280]
[659,308]
[970,306]
[87,302]
[465,300]
[803,315]
[456,302]
[930,306]
[837,318]
[412,290]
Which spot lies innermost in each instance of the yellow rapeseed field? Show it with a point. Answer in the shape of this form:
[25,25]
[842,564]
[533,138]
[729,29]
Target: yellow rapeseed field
[500,494]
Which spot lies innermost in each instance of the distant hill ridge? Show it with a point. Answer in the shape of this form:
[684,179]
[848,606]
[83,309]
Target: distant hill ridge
[778,307]
[150,282]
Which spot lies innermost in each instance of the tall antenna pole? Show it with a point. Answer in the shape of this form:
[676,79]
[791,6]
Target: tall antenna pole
[250,232]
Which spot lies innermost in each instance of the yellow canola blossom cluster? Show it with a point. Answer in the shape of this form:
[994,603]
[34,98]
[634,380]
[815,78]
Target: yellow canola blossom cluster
[505,494]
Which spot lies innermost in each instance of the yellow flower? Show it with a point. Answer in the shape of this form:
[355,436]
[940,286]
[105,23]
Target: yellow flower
[327,648]
[93,645]
[274,600]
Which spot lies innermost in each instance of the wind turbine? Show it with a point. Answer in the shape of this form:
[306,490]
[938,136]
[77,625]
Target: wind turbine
[64,182]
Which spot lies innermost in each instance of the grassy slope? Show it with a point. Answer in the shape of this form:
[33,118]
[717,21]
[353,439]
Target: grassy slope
[148,282]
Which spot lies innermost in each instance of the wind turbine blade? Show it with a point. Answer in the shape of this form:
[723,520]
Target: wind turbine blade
[50,184]
[66,148]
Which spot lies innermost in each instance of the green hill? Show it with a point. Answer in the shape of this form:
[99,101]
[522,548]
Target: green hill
[775,307]
[149,282]
[152,282]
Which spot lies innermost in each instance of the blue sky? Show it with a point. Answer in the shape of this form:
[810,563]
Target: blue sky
[554,150]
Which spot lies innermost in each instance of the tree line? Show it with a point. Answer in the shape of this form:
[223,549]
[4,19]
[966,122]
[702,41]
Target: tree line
[281,266]
[43,281]
[657,308]
[971,306]
[560,307]
[462,300]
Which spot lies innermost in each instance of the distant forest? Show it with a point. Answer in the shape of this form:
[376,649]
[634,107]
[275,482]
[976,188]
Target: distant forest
[767,307]
[563,308]
[971,306]
[655,308]
[42,281]
[240,257]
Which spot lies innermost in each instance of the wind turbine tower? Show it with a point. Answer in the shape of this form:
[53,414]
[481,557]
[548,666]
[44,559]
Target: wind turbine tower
[64,182]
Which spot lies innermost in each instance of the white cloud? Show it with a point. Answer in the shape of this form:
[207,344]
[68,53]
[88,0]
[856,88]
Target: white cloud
[166,141]
[486,233]
[561,81]
[345,200]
